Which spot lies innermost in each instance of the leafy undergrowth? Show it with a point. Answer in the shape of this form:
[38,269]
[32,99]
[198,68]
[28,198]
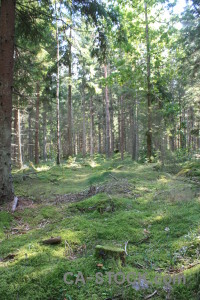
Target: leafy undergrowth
[158,215]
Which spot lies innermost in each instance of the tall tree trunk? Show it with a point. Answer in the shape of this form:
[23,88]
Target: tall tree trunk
[7,29]
[99,133]
[189,128]
[30,137]
[125,124]
[149,114]
[136,129]
[15,134]
[84,126]
[57,96]
[91,127]
[112,135]
[18,139]
[134,135]
[122,128]
[104,127]
[198,137]
[45,130]
[37,125]
[119,125]
[107,115]
[18,146]
[69,112]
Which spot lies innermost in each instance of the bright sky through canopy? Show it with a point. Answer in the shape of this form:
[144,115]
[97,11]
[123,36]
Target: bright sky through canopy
[178,9]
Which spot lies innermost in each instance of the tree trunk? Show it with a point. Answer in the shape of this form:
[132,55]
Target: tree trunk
[15,134]
[69,112]
[119,125]
[91,127]
[37,125]
[134,135]
[104,127]
[84,127]
[112,135]
[122,129]
[30,137]
[99,133]
[136,129]
[7,29]
[149,130]
[18,146]
[107,115]
[20,162]
[45,131]
[57,96]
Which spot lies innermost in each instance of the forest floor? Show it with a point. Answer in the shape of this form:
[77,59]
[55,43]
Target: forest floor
[99,202]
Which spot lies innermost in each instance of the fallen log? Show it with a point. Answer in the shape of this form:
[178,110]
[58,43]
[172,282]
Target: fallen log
[52,241]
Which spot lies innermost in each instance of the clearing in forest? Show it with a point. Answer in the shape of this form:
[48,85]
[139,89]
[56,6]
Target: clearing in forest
[151,213]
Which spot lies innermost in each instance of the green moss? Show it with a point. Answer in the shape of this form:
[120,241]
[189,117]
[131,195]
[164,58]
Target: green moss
[161,206]
[5,222]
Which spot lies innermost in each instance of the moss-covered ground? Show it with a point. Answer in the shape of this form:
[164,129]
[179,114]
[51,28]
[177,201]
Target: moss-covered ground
[158,215]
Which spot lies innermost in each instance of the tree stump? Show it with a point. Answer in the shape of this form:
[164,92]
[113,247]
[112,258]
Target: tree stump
[110,252]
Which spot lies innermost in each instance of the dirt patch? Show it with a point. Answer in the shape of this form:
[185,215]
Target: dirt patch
[22,204]
[176,194]
[115,187]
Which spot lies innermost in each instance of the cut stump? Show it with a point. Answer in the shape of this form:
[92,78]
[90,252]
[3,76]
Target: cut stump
[110,252]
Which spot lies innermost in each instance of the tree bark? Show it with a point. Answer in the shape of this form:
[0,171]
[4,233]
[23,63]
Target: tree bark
[15,134]
[137,129]
[119,124]
[112,135]
[19,162]
[7,30]
[99,133]
[30,138]
[134,134]
[104,126]
[149,113]
[45,131]
[91,128]
[122,129]
[69,112]
[84,127]
[107,115]
[57,95]
[37,125]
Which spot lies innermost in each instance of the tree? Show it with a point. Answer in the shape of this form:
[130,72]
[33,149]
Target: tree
[58,91]
[149,130]
[7,32]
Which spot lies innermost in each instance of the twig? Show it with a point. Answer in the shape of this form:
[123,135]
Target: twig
[70,249]
[141,241]
[150,296]
[113,177]
[126,244]
[114,297]
[139,265]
